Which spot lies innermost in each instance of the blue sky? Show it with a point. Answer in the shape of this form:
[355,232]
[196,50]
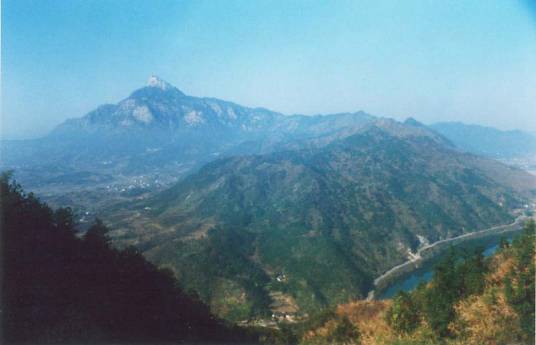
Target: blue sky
[473,61]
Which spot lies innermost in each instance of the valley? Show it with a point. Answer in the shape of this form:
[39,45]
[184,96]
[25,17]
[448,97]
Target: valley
[266,217]
[465,297]
[267,172]
[428,252]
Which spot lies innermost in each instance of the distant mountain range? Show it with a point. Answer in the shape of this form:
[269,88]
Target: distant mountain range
[488,141]
[153,138]
[262,213]
[159,129]
[159,126]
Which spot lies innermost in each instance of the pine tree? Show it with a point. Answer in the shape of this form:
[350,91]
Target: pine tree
[59,289]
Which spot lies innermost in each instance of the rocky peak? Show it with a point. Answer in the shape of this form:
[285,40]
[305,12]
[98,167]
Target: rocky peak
[156,88]
[155,81]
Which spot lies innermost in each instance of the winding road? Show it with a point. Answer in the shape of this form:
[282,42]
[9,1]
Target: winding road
[417,256]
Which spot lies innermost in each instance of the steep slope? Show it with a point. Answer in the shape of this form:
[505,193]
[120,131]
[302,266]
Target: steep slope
[58,288]
[317,224]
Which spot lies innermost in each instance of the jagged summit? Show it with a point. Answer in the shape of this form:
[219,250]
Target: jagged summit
[155,81]
[156,86]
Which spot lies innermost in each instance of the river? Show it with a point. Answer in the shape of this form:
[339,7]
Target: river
[424,274]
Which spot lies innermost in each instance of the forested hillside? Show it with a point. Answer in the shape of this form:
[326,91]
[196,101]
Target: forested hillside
[58,288]
[471,300]
[312,227]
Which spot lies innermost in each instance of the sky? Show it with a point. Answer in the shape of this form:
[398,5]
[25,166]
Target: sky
[471,61]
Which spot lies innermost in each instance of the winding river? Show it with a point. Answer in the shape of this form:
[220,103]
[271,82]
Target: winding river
[425,273]
[409,274]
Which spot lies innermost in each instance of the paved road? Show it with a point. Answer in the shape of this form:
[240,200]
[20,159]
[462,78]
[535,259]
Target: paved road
[417,256]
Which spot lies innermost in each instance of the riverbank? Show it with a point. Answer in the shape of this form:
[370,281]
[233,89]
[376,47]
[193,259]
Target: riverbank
[428,252]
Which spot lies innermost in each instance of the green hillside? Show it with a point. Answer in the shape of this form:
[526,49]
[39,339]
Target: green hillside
[313,227]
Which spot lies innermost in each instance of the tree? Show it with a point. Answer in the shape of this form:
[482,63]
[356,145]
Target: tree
[403,316]
[97,234]
[440,298]
[519,284]
[471,272]
[59,289]
[64,220]
[456,276]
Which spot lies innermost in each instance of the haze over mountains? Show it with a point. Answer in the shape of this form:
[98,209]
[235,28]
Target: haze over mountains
[488,141]
[263,213]
[160,125]
[159,129]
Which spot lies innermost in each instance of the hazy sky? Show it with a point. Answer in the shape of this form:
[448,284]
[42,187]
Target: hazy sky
[473,61]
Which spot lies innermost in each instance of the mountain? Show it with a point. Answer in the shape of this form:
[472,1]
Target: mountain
[155,125]
[151,139]
[488,141]
[159,125]
[258,212]
[295,230]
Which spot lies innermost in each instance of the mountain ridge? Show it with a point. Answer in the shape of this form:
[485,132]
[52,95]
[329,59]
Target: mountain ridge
[360,202]
[252,208]
[488,141]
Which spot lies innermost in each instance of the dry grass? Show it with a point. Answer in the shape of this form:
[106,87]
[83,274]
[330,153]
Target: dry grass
[369,317]
[321,332]
[485,319]
[488,318]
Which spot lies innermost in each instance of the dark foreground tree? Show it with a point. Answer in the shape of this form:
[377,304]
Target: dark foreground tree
[58,288]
